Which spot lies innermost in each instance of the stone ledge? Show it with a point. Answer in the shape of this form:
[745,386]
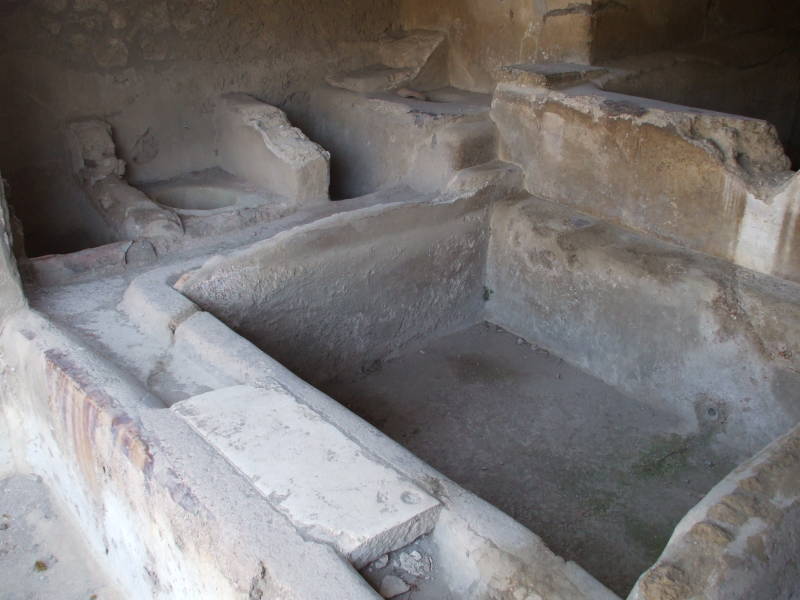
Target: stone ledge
[325,483]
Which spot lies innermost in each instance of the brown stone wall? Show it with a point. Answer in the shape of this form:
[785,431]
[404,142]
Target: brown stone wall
[486,35]
[625,27]
[153,69]
[628,27]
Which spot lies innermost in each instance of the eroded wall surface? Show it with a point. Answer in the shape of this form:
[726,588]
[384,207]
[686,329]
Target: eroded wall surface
[487,35]
[153,70]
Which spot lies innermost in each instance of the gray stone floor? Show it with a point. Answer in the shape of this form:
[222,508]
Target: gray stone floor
[601,477]
[42,556]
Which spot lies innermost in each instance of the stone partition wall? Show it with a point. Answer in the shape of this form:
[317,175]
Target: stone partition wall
[340,295]
[741,540]
[713,343]
[709,181]
[487,35]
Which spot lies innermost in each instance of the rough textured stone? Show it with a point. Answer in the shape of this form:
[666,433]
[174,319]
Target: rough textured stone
[322,481]
[257,142]
[417,59]
[383,140]
[441,261]
[484,36]
[754,554]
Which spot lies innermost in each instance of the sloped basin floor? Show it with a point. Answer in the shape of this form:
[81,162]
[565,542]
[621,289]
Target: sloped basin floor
[601,477]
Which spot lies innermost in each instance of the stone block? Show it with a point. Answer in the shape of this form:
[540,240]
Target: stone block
[257,143]
[325,483]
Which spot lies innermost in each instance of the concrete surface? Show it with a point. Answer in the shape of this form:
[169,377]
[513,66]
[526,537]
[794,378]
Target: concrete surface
[144,488]
[479,552]
[602,477]
[407,59]
[741,539]
[213,201]
[311,472]
[42,553]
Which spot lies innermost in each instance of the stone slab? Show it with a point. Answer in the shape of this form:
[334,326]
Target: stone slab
[549,75]
[325,483]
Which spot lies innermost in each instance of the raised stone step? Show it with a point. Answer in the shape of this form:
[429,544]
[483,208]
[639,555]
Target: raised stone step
[324,482]
[549,75]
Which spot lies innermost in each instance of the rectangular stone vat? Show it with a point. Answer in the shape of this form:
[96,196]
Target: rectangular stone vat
[705,352]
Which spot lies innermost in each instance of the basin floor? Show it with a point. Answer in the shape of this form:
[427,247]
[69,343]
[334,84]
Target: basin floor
[601,477]
[42,556]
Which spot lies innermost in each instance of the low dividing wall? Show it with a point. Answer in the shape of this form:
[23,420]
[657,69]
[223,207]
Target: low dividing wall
[712,182]
[382,140]
[338,295]
[165,515]
[717,344]
[11,296]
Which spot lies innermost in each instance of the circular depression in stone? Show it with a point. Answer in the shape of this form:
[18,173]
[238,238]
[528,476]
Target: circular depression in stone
[194,197]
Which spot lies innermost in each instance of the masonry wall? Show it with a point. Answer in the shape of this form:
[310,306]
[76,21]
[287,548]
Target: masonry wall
[625,27]
[638,26]
[487,35]
[707,340]
[153,70]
